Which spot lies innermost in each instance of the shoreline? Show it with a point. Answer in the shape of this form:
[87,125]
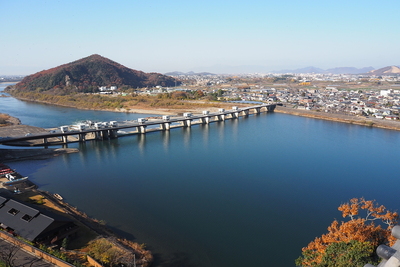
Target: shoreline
[140,110]
[10,120]
[11,154]
[363,121]
[344,118]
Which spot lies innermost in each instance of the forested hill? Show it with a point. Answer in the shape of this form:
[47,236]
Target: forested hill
[89,73]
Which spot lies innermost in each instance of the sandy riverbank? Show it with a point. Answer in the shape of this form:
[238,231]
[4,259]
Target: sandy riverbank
[210,106]
[369,122]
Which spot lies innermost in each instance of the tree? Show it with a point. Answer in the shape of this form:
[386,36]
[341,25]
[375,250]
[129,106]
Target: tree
[364,226]
[353,253]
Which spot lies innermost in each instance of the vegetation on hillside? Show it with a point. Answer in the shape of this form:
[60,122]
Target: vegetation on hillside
[88,74]
[352,242]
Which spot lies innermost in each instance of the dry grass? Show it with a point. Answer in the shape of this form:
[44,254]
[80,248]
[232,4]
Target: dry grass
[36,198]
[4,119]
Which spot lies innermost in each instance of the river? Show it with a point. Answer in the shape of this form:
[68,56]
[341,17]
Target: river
[246,192]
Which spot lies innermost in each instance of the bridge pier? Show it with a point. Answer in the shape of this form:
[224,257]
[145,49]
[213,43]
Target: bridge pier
[81,137]
[65,139]
[165,126]
[104,134]
[97,135]
[245,112]
[45,141]
[235,115]
[257,110]
[142,129]
[205,120]
[221,116]
[271,108]
[187,123]
[113,133]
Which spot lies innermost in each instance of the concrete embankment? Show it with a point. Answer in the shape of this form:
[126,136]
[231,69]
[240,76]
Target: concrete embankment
[369,122]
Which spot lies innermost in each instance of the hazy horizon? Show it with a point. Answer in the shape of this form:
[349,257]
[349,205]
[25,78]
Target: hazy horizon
[160,36]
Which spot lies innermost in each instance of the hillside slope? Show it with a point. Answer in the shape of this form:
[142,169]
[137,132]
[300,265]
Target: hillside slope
[89,73]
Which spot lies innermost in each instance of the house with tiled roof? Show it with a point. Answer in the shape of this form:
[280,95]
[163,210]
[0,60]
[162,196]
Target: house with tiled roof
[32,224]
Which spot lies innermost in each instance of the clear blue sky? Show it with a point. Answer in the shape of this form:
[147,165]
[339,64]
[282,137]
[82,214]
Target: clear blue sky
[163,36]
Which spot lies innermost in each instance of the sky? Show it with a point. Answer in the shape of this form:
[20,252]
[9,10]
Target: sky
[209,35]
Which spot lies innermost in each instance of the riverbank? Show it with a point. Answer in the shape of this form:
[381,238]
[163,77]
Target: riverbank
[141,106]
[7,120]
[90,229]
[7,155]
[369,122]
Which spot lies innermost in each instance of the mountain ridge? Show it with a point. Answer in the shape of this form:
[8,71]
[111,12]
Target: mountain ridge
[337,70]
[89,73]
[389,70]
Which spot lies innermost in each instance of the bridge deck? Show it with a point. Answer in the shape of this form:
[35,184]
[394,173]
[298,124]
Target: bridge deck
[36,136]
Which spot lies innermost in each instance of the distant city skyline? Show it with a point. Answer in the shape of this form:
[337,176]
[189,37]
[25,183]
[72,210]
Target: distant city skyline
[211,36]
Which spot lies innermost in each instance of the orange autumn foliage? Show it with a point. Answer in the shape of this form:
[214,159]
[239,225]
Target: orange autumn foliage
[359,228]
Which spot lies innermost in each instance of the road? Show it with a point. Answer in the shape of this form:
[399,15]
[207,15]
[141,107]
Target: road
[22,258]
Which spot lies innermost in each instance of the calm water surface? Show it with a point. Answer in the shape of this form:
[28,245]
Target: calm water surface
[246,192]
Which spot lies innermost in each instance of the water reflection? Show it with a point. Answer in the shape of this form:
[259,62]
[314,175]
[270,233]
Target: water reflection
[165,136]
[221,132]
[234,126]
[205,133]
[141,139]
[186,137]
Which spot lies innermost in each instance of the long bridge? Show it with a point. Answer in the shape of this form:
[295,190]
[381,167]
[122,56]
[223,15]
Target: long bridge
[114,129]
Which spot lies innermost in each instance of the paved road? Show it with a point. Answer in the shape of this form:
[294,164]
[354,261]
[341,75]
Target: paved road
[22,258]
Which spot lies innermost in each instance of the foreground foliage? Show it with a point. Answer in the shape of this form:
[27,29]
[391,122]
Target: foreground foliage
[111,254]
[352,242]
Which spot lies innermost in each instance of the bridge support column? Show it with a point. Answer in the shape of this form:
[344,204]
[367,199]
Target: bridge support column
[205,120]
[221,117]
[257,110]
[235,115]
[45,142]
[113,133]
[81,137]
[246,112]
[165,126]
[142,129]
[271,108]
[104,134]
[97,135]
[65,139]
[187,123]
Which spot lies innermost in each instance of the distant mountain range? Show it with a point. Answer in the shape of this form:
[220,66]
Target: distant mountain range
[340,70]
[260,69]
[90,73]
[177,73]
[391,70]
